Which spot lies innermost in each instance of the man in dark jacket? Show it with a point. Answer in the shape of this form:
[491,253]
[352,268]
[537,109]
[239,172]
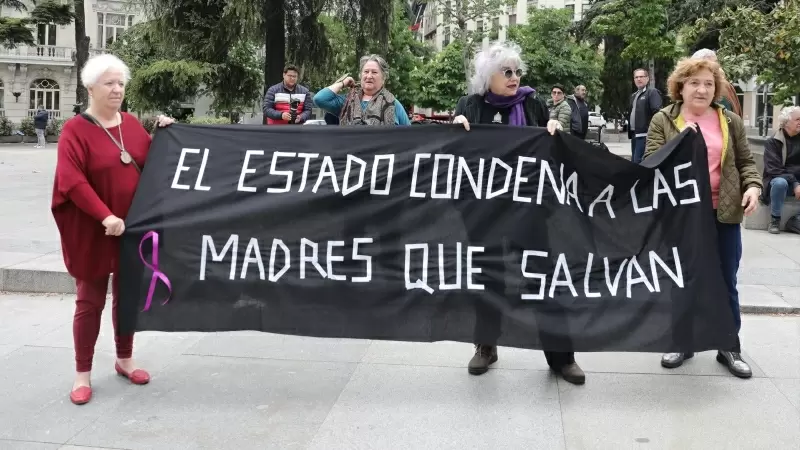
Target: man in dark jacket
[288,102]
[782,165]
[40,124]
[579,122]
[645,102]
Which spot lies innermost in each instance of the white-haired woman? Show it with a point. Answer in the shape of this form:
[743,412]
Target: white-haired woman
[100,155]
[498,97]
[368,104]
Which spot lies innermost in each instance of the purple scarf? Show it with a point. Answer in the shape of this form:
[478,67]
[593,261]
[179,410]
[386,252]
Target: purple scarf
[517,116]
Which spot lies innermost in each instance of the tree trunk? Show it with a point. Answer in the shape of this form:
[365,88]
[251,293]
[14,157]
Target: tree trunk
[81,52]
[274,43]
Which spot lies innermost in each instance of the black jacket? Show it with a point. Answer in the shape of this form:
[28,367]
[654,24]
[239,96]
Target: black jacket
[536,113]
[649,104]
[40,119]
[579,122]
[776,150]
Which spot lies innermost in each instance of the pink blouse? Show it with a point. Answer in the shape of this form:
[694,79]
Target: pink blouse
[712,133]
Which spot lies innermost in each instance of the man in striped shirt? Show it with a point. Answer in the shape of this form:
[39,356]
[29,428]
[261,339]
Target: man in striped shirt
[287,102]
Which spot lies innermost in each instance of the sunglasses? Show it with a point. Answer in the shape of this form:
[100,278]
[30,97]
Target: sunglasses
[510,73]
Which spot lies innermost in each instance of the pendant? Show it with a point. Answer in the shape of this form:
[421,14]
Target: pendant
[497,118]
[125,157]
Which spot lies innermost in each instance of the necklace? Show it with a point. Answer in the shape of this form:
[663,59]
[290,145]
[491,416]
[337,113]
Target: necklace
[124,156]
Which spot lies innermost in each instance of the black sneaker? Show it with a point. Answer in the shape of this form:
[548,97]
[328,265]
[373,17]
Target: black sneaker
[774,225]
[485,355]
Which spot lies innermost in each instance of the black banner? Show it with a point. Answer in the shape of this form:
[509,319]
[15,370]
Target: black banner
[499,235]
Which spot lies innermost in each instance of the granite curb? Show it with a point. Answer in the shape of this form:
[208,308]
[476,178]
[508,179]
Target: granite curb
[59,282]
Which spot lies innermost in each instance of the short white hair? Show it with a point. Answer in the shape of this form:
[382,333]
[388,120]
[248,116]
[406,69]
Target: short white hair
[705,53]
[490,61]
[786,114]
[97,65]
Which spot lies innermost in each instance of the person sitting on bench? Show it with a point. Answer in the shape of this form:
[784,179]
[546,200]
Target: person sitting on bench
[782,165]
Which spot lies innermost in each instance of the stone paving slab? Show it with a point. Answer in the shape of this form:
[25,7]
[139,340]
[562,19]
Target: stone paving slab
[251,390]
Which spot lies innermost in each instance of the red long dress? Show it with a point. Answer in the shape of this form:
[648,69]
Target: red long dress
[91,183]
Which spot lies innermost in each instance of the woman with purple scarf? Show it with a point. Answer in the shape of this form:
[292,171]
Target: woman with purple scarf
[498,98]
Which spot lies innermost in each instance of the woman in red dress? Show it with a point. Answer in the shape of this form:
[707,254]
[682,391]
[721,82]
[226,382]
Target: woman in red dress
[100,156]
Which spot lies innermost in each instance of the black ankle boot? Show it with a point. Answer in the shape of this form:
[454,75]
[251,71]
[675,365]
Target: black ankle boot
[485,356]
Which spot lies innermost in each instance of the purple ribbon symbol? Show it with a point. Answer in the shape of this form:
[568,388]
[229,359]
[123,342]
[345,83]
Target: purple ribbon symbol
[157,274]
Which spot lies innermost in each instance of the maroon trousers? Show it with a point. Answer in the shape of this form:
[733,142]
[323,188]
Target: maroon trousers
[86,323]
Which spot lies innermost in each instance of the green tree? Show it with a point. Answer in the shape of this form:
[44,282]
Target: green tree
[645,26]
[235,82]
[457,15]
[404,55]
[19,31]
[288,30]
[553,55]
[162,84]
[761,44]
[81,51]
[440,82]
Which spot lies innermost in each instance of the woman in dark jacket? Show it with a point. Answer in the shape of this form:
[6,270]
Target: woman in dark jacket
[499,98]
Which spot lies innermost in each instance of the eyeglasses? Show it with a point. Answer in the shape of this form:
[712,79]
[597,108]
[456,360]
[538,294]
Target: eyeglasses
[510,73]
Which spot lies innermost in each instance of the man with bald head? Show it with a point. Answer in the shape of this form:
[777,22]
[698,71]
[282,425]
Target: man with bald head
[579,121]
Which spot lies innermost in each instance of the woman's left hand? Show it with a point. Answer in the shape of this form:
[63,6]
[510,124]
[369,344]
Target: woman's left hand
[164,121]
[750,200]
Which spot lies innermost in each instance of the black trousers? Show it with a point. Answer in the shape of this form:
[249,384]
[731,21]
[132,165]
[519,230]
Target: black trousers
[488,318]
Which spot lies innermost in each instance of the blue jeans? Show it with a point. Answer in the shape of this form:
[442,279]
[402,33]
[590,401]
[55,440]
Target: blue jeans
[778,191]
[637,149]
[729,241]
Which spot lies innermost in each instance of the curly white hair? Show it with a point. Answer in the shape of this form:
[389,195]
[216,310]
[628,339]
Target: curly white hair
[786,114]
[490,61]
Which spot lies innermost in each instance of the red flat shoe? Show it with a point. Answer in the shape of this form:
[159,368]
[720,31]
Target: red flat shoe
[81,396]
[138,376]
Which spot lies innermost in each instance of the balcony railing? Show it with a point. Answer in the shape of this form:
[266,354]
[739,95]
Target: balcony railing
[53,114]
[39,52]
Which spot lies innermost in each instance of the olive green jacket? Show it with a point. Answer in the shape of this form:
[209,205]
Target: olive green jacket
[739,171]
[561,112]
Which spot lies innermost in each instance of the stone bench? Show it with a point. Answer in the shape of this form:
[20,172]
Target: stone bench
[760,219]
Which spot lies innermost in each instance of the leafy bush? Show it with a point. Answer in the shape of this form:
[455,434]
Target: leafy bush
[54,127]
[27,127]
[149,124]
[205,120]
[6,126]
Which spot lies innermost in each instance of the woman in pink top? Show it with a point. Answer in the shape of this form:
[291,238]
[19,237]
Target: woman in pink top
[695,86]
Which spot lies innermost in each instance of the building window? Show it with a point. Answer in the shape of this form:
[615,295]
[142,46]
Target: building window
[46,34]
[46,39]
[512,20]
[45,92]
[111,26]
[2,98]
[533,4]
[446,40]
[494,34]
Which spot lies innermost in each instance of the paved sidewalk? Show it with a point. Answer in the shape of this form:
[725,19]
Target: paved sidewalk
[262,391]
[31,261]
